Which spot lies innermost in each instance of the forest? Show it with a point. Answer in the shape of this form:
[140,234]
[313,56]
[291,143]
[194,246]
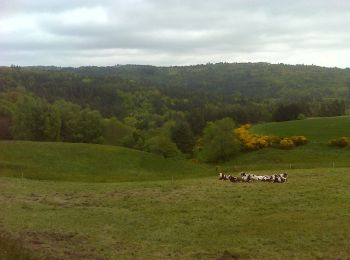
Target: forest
[172,111]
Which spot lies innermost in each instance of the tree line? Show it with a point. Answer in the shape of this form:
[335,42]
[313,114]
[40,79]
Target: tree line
[53,104]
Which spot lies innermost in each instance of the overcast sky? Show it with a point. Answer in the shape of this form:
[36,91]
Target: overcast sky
[174,32]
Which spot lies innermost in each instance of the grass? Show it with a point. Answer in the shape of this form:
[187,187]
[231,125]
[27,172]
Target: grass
[205,218]
[90,163]
[317,130]
[79,201]
[317,153]
[13,248]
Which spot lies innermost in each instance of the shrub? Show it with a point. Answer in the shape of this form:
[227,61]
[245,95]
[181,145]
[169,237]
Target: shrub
[286,143]
[340,142]
[299,140]
[218,143]
[163,146]
[301,116]
[251,142]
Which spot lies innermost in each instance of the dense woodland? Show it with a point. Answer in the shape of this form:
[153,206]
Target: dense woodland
[167,110]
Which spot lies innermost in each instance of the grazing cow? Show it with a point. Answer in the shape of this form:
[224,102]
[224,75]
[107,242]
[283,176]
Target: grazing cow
[284,176]
[223,176]
[257,177]
[233,178]
[272,178]
[246,177]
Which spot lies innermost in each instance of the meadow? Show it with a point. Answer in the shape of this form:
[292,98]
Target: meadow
[316,154]
[79,201]
[307,217]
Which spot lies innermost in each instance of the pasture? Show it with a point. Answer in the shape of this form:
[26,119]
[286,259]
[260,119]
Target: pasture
[316,154]
[90,163]
[80,201]
[317,130]
[204,218]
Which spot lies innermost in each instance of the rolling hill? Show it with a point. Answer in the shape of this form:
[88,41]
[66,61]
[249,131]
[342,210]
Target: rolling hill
[90,163]
[316,154]
[317,130]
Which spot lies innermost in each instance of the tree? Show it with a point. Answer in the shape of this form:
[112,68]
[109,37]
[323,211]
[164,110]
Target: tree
[117,133]
[286,112]
[163,146]
[35,119]
[218,141]
[90,126]
[182,136]
[70,117]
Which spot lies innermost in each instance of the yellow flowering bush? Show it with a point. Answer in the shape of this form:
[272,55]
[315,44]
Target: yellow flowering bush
[340,142]
[286,143]
[252,142]
[299,140]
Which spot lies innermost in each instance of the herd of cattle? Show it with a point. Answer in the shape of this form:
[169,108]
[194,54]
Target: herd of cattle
[247,177]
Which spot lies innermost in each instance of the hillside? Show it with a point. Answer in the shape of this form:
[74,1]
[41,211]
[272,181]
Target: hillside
[316,154]
[250,80]
[317,130]
[90,163]
[186,219]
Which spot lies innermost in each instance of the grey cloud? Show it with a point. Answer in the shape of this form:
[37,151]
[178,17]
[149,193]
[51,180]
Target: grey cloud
[164,32]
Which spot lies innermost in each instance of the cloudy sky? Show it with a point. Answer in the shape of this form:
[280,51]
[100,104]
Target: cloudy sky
[174,32]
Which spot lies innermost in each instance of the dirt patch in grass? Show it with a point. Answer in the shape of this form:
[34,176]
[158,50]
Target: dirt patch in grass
[12,247]
[226,255]
[52,245]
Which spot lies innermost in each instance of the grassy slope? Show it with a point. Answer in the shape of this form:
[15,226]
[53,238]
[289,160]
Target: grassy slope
[315,154]
[306,218]
[86,162]
[317,130]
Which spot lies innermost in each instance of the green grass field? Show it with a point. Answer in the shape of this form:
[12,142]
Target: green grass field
[79,201]
[317,153]
[317,130]
[90,163]
[306,218]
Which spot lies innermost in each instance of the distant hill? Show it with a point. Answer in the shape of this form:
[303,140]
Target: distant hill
[252,80]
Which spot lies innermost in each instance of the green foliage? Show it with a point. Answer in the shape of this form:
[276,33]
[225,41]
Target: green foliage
[70,117]
[34,119]
[117,133]
[79,125]
[163,146]
[219,142]
[301,116]
[90,126]
[182,136]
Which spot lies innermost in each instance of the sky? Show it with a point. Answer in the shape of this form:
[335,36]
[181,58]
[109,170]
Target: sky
[174,32]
